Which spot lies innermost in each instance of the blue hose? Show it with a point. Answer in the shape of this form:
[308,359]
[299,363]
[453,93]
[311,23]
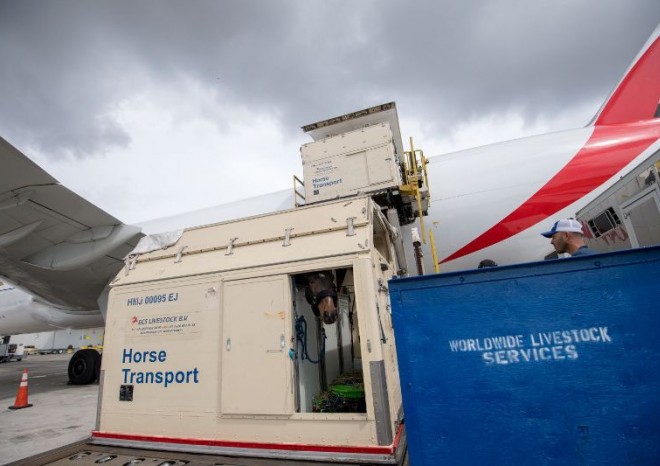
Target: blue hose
[301,339]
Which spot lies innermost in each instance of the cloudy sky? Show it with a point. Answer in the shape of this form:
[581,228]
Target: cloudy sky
[149,108]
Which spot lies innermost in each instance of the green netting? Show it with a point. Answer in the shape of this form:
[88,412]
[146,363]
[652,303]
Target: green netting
[344,395]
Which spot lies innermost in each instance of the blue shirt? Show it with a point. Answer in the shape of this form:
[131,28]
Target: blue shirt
[583,251]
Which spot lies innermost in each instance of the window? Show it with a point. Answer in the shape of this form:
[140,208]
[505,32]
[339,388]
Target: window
[604,222]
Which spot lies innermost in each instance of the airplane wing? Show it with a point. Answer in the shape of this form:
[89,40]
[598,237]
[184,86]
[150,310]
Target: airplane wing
[53,243]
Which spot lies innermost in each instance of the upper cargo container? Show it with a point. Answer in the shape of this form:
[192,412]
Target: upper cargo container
[361,153]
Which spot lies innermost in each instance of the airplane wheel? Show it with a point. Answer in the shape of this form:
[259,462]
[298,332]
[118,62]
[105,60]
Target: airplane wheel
[84,367]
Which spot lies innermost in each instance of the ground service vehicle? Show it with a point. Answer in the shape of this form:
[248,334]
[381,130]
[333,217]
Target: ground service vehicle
[10,351]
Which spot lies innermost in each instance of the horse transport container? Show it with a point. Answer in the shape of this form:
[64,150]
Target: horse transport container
[549,363]
[212,346]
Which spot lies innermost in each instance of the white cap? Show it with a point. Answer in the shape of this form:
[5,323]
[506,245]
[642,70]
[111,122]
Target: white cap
[565,224]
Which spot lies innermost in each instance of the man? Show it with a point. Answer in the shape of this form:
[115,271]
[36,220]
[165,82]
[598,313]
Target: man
[566,236]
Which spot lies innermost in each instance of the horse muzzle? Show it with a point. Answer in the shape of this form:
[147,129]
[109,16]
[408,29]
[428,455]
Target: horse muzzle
[327,310]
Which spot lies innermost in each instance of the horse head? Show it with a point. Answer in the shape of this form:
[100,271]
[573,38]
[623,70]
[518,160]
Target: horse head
[321,293]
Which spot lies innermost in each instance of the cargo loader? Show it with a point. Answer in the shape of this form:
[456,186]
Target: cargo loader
[268,339]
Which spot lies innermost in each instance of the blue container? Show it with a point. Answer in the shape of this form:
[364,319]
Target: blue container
[547,363]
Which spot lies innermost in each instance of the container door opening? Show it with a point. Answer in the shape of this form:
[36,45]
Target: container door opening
[327,358]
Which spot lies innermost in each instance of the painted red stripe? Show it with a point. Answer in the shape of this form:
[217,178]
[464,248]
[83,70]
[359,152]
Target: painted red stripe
[363,449]
[638,95]
[607,151]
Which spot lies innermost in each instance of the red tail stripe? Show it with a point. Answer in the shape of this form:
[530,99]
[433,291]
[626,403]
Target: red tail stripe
[638,95]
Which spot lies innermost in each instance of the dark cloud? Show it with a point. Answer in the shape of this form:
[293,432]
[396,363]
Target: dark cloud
[67,65]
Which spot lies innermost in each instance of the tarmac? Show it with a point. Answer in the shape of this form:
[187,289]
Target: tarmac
[56,418]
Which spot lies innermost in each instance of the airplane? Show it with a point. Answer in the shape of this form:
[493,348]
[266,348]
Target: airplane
[58,251]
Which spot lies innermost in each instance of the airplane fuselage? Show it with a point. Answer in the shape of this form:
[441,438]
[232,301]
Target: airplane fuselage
[20,312]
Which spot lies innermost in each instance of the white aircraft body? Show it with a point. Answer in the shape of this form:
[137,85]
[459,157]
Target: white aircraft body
[59,251]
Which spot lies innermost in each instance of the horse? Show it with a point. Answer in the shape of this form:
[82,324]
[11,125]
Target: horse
[321,293]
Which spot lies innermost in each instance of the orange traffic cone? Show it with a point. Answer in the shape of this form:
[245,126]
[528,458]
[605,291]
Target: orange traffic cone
[22,395]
